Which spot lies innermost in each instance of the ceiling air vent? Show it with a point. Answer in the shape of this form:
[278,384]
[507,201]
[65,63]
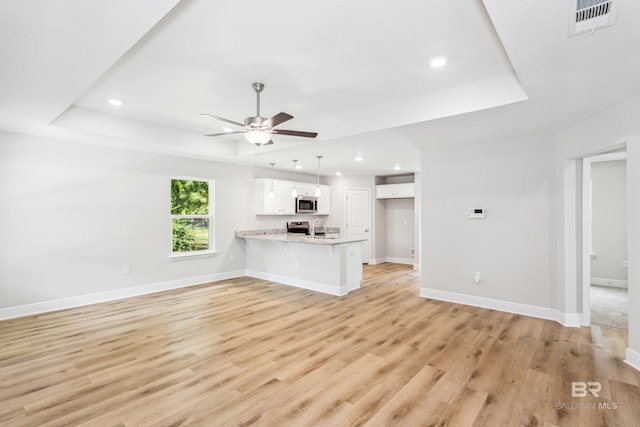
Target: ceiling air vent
[590,15]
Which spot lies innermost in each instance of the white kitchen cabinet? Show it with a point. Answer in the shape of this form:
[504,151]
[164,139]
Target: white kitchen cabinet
[395,191]
[281,204]
[324,201]
[305,189]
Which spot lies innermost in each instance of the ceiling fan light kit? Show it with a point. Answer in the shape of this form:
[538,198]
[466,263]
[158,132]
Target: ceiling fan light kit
[260,129]
[257,137]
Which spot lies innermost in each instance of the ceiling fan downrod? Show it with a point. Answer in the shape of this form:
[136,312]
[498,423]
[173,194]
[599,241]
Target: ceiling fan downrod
[258,88]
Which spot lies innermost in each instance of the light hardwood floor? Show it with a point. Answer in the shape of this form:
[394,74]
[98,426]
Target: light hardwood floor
[248,352]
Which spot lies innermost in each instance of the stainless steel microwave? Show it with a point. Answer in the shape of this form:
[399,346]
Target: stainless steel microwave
[306,204]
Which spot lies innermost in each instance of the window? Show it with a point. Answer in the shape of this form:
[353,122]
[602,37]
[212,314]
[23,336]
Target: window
[192,217]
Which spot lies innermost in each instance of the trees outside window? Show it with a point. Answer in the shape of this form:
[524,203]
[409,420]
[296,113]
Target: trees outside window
[192,215]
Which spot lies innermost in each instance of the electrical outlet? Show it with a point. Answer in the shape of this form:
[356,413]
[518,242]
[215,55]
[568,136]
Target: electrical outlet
[476,277]
[625,264]
[412,251]
[125,270]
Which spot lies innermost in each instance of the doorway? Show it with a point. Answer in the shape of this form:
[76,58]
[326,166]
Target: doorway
[605,283]
[358,223]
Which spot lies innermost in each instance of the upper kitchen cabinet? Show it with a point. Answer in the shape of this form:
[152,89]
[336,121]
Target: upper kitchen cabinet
[324,200]
[280,204]
[395,191]
[305,189]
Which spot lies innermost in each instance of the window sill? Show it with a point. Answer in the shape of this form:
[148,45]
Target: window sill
[188,255]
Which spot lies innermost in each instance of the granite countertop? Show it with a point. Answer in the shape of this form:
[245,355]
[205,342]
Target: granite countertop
[281,236]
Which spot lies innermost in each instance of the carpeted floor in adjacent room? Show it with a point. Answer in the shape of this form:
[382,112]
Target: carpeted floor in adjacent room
[609,306]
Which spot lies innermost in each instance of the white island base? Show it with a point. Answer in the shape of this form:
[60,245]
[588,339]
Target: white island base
[334,269]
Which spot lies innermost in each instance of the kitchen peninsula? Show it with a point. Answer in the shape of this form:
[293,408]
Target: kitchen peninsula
[330,264]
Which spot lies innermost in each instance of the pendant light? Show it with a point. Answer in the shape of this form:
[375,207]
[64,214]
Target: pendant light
[294,192]
[272,194]
[318,192]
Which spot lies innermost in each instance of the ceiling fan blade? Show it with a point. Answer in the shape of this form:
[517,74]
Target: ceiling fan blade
[295,133]
[277,119]
[225,133]
[224,120]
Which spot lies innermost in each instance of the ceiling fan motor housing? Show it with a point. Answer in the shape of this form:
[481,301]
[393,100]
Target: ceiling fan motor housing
[255,122]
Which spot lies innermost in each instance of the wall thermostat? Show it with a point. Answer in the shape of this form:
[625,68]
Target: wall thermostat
[476,213]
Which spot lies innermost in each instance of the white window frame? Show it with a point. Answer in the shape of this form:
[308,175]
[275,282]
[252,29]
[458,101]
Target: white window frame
[211,217]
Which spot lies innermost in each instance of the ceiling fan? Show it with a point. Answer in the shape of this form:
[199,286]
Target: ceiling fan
[258,129]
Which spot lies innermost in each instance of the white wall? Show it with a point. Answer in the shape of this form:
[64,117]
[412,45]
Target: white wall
[73,215]
[528,248]
[380,227]
[633,243]
[417,221]
[400,229]
[611,128]
[511,247]
[609,220]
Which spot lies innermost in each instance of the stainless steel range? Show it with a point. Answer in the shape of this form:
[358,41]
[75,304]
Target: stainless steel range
[298,227]
[303,227]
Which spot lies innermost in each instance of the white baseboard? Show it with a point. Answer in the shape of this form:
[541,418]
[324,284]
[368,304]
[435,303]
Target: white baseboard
[632,359]
[298,283]
[570,320]
[397,260]
[600,281]
[410,261]
[81,300]
[565,319]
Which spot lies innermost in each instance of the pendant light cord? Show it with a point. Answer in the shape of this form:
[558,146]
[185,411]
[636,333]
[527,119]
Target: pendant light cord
[294,192]
[318,192]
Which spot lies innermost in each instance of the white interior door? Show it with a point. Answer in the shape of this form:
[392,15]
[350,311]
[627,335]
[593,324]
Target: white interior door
[359,218]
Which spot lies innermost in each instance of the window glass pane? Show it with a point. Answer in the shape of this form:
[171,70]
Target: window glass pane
[189,197]
[190,234]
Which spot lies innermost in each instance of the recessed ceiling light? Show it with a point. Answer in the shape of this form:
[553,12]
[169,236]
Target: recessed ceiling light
[227,129]
[438,62]
[115,102]
[298,166]
[359,159]
[396,168]
[338,173]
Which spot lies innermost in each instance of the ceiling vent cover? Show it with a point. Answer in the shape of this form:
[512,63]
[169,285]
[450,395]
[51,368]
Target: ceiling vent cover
[590,15]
